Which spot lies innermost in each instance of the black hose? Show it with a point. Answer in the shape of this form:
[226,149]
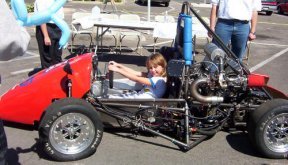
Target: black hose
[209,133]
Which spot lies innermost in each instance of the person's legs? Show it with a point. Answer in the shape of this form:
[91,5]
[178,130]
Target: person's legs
[43,50]
[56,53]
[224,30]
[55,35]
[127,84]
[3,144]
[239,39]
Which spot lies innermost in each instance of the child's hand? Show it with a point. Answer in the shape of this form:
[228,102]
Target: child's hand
[112,67]
[113,63]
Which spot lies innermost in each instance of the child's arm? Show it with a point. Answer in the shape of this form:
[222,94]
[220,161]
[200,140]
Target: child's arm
[127,69]
[126,72]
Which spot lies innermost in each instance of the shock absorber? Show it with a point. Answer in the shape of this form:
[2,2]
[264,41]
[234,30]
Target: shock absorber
[69,85]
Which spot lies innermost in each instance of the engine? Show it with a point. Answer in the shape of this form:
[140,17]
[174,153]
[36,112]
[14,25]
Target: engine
[219,91]
[217,78]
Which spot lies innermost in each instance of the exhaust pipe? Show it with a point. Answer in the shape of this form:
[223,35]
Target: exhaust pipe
[201,98]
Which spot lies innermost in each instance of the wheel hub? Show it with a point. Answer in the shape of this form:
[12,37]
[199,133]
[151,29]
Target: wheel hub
[276,130]
[72,133]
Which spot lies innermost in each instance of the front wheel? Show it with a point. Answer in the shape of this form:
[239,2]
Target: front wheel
[166,4]
[280,11]
[70,130]
[269,12]
[268,128]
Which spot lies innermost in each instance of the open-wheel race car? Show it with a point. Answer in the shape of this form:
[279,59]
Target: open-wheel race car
[201,99]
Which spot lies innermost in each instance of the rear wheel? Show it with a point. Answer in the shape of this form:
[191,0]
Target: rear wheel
[280,11]
[269,12]
[70,130]
[268,128]
[166,4]
[143,2]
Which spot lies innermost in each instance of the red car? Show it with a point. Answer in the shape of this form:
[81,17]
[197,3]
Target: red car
[201,99]
[283,7]
[269,6]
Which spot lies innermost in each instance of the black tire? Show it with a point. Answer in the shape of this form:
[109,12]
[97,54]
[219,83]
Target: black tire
[280,11]
[268,128]
[166,4]
[76,127]
[269,12]
[144,3]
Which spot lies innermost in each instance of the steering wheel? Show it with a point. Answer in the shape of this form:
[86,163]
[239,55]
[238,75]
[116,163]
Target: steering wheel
[111,77]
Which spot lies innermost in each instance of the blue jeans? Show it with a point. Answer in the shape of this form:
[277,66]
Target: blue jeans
[235,32]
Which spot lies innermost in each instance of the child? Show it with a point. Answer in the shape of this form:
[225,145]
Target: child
[154,81]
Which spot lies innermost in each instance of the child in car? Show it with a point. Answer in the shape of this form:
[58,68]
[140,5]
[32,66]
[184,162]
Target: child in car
[153,82]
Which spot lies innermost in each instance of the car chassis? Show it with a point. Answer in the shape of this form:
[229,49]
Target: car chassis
[199,102]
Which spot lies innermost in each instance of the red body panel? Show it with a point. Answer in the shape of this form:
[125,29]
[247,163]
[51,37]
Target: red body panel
[257,80]
[26,102]
[275,93]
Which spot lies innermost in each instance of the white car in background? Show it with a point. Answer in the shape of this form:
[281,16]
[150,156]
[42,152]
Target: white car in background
[269,6]
[165,2]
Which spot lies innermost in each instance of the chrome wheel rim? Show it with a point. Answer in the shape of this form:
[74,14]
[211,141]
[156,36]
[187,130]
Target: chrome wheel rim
[276,133]
[72,133]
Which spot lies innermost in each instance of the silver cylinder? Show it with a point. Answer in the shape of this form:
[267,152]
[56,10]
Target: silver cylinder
[212,51]
[201,98]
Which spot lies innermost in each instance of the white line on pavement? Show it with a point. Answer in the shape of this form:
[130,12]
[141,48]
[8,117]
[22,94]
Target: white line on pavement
[268,60]
[259,43]
[22,71]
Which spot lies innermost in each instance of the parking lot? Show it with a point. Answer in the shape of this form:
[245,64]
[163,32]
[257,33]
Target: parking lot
[269,55]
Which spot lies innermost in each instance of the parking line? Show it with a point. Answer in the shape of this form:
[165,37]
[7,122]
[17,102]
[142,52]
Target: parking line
[268,60]
[22,71]
[285,24]
[259,43]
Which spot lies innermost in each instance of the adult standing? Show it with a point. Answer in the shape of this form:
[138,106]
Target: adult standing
[48,36]
[14,40]
[236,22]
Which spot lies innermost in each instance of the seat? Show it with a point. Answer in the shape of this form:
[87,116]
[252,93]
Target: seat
[109,31]
[95,12]
[77,28]
[130,33]
[163,19]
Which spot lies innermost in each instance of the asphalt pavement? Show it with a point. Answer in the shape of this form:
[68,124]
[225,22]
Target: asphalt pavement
[269,55]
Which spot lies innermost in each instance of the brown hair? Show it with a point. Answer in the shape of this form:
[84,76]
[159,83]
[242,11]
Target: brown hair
[157,59]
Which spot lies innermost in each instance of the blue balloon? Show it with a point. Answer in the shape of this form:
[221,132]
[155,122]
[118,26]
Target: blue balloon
[20,11]
[65,31]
